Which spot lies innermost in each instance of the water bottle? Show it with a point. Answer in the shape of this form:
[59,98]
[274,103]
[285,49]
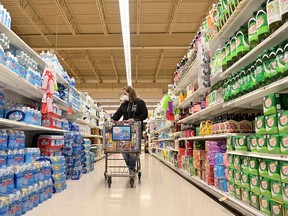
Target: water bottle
[4,201]
[36,172]
[12,205]
[30,198]
[3,140]
[36,195]
[10,158]
[50,189]
[18,203]
[41,192]
[21,140]
[25,182]
[18,177]
[17,140]
[11,139]
[30,174]
[10,180]
[3,179]
[24,194]
[3,159]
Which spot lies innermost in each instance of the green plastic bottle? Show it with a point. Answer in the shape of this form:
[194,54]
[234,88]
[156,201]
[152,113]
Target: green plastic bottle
[280,62]
[286,58]
[224,59]
[252,31]
[262,24]
[284,10]
[233,50]
[243,82]
[273,64]
[233,5]
[266,67]
[220,15]
[228,54]
[242,47]
[259,72]
[225,7]
[273,15]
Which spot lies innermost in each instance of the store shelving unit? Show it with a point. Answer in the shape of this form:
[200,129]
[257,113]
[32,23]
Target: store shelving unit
[243,11]
[192,97]
[278,157]
[214,136]
[15,125]
[269,42]
[166,139]
[221,196]
[191,74]
[166,127]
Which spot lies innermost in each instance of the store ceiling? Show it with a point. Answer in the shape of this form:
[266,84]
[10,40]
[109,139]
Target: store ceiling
[86,35]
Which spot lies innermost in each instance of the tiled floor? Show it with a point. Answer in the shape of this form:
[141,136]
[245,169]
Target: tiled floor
[161,192]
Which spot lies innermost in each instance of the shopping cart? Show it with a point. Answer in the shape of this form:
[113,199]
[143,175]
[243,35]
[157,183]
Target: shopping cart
[121,138]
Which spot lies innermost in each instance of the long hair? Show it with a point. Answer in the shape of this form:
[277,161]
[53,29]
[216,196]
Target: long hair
[132,93]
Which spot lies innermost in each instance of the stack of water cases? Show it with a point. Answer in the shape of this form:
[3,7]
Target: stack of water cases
[72,152]
[58,173]
[87,157]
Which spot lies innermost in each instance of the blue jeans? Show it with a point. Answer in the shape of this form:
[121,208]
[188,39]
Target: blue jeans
[130,160]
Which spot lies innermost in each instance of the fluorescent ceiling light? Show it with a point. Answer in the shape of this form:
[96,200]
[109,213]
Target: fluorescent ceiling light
[125,26]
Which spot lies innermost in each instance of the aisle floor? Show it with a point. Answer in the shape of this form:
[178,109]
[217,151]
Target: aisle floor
[161,192]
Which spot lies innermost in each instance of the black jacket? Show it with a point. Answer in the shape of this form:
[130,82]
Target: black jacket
[128,110]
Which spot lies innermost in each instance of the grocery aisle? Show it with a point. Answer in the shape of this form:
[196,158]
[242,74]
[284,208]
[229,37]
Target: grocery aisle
[161,192]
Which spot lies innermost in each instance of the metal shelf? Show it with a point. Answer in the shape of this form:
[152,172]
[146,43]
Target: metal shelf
[253,98]
[15,125]
[204,114]
[91,136]
[166,139]
[260,155]
[16,84]
[190,75]
[20,44]
[237,204]
[215,136]
[166,127]
[193,96]
[242,13]
[274,39]
[176,150]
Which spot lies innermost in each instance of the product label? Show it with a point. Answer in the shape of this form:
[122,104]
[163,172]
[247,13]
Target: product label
[285,141]
[276,188]
[285,192]
[233,47]
[259,74]
[262,24]
[276,209]
[261,141]
[264,185]
[270,121]
[283,6]
[252,31]
[272,167]
[263,165]
[254,142]
[283,119]
[272,141]
[273,12]
[284,170]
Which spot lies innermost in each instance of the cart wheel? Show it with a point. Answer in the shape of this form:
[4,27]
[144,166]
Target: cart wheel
[139,176]
[109,182]
[132,182]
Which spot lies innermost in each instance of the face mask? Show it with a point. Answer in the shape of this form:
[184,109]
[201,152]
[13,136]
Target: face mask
[125,97]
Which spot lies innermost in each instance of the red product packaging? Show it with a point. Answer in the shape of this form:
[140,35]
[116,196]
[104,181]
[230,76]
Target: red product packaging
[50,152]
[210,181]
[189,145]
[51,142]
[189,152]
[51,122]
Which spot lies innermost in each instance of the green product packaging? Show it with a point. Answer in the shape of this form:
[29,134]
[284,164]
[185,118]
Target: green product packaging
[237,177]
[245,164]
[274,170]
[231,175]
[276,191]
[236,142]
[231,161]
[230,143]
[286,210]
[265,205]
[237,162]
[273,144]
[262,143]
[255,183]
[283,122]
[253,166]
[253,143]
[276,208]
[238,192]
[197,131]
[263,167]
[285,192]
[246,196]
[284,144]
[242,143]
[245,180]
[271,104]
[191,161]
[192,171]
[271,122]
[254,200]
[260,126]
[284,171]
[265,187]
[231,188]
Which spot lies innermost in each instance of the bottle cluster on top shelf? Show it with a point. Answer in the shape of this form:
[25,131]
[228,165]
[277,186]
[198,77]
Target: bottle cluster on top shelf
[185,63]
[5,17]
[249,36]
[270,67]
